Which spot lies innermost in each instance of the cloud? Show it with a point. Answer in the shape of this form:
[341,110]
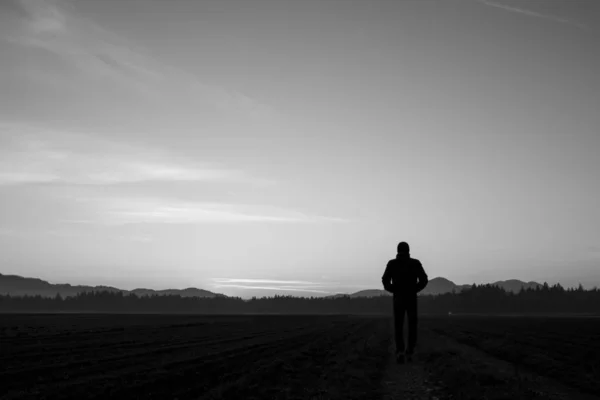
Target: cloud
[66,231]
[29,155]
[228,280]
[325,287]
[532,13]
[145,210]
[98,53]
[43,17]
[274,288]
[8,232]
[32,156]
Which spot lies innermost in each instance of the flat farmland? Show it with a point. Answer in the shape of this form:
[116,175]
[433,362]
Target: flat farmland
[93,356]
[565,349]
[168,357]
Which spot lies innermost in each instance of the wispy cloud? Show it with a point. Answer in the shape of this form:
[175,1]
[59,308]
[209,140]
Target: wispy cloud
[43,17]
[119,210]
[41,156]
[272,288]
[324,287]
[33,156]
[531,13]
[52,25]
[269,281]
[63,231]
[8,232]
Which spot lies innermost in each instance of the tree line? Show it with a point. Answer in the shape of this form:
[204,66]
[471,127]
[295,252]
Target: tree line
[487,299]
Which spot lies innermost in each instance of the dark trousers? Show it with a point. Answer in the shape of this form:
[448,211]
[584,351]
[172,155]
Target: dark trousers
[405,305]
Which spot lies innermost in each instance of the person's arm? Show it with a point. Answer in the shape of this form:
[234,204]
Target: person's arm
[422,276]
[387,278]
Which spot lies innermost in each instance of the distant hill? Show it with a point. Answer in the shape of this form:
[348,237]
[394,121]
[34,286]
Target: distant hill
[370,293]
[15,285]
[441,285]
[515,285]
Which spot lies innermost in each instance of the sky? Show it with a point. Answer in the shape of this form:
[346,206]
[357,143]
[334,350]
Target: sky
[256,147]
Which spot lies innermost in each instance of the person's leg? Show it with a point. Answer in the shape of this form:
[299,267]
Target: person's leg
[399,311]
[411,311]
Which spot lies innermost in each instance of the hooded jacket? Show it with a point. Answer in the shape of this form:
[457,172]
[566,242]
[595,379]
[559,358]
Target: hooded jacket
[404,276]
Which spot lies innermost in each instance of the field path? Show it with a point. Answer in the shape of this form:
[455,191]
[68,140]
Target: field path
[407,381]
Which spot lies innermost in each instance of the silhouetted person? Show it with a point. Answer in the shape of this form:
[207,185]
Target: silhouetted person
[404,277]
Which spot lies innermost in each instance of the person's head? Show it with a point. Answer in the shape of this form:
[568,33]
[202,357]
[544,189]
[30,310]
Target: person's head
[403,248]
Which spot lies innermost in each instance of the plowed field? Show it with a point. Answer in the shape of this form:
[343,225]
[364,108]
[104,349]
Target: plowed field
[167,357]
[72,356]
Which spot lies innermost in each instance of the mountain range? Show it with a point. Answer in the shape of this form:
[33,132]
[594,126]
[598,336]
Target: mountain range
[15,285]
[442,285]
